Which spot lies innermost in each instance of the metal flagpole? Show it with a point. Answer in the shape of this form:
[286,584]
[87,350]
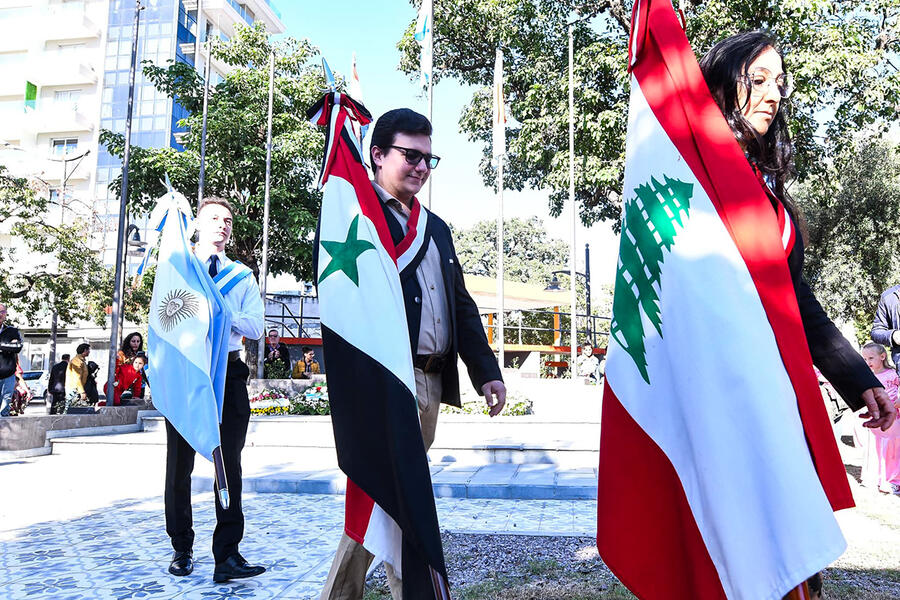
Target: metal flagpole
[573,350]
[202,178]
[431,90]
[499,142]
[260,364]
[123,207]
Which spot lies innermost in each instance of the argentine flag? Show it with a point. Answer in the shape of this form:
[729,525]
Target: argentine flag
[188,335]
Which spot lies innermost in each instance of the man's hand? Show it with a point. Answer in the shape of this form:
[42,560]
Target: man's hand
[495,396]
[879,409]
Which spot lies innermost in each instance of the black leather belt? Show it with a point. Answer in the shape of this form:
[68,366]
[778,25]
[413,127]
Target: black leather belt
[430,363]
[234,355]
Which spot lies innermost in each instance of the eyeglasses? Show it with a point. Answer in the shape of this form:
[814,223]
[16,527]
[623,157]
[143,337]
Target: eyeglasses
[413,157]
[759,83]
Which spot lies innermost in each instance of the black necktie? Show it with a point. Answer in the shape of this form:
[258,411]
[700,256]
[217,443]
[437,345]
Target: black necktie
[213,265]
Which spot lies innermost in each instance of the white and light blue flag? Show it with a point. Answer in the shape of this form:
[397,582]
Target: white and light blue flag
[188,334]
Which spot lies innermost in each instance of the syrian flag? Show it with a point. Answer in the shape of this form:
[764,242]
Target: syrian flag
[390,503]
[719,472]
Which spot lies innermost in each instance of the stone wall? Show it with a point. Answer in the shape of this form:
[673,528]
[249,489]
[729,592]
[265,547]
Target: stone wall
[26,432]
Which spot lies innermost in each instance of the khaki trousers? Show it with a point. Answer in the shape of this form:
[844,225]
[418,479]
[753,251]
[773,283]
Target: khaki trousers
[347,578]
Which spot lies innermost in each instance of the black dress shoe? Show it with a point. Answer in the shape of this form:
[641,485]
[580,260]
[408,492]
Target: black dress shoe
[182,563]
[235,567]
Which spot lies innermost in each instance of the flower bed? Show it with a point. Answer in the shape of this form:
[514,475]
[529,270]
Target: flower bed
[313,401]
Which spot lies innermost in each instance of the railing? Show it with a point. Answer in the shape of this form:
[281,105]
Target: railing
[290,324]
[556,331]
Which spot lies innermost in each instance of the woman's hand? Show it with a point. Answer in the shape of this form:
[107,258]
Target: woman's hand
[880,411]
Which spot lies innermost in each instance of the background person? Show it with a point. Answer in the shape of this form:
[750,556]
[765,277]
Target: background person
[10,346]
[131,346]
[307,366]
[886,327]
[277,353]
[76,377]
[56,387]
[881,449]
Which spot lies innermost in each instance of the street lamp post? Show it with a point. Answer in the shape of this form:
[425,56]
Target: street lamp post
[553,286]
[54,318]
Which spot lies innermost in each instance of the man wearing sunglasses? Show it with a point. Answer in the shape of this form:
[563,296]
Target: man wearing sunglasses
[442,318]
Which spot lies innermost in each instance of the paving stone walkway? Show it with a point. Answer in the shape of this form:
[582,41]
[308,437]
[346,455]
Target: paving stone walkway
[121,551]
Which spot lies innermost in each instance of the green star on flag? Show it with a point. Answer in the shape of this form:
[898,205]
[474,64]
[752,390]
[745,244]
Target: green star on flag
[345,254]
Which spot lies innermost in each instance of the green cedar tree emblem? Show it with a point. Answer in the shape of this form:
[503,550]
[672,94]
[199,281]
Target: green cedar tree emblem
[648,227]
[345,254]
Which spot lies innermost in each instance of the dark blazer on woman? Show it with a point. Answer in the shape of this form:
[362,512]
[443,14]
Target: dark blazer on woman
[838,361]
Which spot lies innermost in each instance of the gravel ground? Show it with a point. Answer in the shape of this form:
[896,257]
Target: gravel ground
[509,567]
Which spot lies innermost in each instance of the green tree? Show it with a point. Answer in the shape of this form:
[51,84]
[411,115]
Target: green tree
[842,55]
[853,220]
[236,146]
[530,256]
[47,266]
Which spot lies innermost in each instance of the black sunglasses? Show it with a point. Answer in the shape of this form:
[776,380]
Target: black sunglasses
[414,156]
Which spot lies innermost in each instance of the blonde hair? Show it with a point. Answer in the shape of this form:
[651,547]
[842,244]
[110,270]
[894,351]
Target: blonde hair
[886,363]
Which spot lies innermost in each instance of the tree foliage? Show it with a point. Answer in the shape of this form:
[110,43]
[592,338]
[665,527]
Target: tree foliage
[48,266]
[236,146]
[853,224]
[842,55]
[529,254]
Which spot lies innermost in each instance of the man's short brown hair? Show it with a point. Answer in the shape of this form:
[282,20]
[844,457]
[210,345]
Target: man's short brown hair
[215,200]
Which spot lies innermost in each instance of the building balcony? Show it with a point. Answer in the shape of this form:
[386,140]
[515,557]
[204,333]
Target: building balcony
[58,117]
[228,13]
[64,68]
[67,21]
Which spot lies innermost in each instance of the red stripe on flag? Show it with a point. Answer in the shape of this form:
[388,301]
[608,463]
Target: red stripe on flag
[657,551]
[673,85]
[412,223]
[348,168]
[357,512]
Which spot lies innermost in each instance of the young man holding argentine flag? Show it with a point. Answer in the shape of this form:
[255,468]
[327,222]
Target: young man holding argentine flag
[242,296]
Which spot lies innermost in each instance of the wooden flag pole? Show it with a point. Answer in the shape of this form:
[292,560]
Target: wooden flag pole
[441,588]
[221,479]
[801,592]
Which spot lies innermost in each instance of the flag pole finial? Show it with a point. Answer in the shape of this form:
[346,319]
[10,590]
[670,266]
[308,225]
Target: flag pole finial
[330,84]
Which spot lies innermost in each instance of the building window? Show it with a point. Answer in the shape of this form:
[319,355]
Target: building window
[64,146]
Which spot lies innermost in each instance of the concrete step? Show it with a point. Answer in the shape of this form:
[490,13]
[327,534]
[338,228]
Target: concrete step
[460,439]
[289,470]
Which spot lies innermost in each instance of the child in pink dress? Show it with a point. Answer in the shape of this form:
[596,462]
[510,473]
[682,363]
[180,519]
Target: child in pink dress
[881,449]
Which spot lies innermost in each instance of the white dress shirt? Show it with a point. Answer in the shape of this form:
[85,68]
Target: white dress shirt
[245,302]
[434,326]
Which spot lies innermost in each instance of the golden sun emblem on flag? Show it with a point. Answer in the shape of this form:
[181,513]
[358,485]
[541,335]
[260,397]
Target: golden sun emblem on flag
[175,307]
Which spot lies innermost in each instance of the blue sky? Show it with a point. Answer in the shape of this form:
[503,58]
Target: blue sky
[372,29]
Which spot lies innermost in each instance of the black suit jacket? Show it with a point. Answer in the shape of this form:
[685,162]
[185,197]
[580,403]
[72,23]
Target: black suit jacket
[838,361]
[467,337]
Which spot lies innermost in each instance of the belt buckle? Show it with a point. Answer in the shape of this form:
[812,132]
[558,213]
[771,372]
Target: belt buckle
[429,363]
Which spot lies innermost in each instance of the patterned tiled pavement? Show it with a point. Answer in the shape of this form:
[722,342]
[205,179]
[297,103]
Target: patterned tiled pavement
[121,551]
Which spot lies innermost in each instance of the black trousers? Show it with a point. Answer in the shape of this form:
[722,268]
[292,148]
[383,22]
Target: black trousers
[180,463]
[57,402]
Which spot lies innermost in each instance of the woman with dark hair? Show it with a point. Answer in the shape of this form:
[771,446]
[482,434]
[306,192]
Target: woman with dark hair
[131,345]
[745,74]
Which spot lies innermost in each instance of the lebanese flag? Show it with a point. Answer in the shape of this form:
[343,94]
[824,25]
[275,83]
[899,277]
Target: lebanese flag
[719,472]
[371,384]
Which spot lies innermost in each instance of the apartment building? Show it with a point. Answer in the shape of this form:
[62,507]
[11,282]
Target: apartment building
[64,72]
[65,66]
